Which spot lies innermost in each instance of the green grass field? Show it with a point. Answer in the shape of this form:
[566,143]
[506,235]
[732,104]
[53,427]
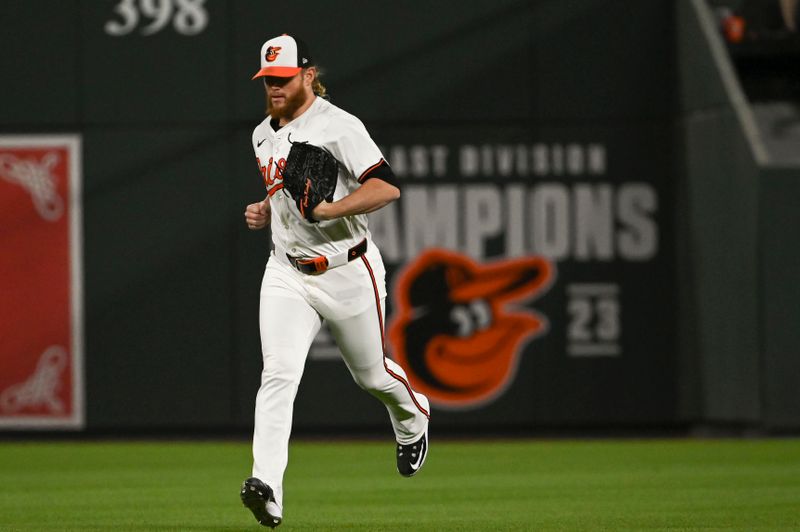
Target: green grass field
[483,485]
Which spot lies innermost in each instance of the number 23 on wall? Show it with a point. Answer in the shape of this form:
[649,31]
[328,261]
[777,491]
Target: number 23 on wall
[188,17]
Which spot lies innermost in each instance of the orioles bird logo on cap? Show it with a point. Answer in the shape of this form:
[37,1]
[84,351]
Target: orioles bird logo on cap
[452,332]
[272,53]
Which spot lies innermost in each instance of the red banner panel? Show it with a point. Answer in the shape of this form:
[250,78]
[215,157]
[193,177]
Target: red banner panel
[41,347]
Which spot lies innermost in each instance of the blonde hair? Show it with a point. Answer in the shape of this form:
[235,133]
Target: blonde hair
[317,86]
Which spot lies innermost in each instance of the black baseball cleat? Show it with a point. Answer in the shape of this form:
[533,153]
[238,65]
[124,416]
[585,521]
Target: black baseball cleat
[411,457]
[256,496]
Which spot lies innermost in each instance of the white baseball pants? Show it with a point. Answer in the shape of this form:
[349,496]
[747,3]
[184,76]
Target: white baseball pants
[293,304]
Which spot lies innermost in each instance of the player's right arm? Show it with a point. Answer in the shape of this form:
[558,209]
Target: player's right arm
[257,215]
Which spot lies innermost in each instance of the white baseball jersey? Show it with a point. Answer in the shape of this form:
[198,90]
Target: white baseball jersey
[349,297]
[322,124]
[345,287]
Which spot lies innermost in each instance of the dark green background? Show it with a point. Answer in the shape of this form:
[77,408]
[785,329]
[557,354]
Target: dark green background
[172,274]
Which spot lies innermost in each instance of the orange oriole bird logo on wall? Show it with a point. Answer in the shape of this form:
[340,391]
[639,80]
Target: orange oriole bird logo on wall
[452,332]
[272,53]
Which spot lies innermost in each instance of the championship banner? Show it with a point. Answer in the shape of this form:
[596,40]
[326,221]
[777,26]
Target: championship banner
[531,277]
[41,326]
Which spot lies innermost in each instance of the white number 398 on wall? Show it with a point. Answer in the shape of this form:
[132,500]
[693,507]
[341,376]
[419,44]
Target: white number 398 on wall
[188,17]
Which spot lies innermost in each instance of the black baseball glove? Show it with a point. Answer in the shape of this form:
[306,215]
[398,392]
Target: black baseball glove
[310,176]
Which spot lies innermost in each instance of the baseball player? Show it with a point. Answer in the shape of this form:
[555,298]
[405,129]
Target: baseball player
[323,266]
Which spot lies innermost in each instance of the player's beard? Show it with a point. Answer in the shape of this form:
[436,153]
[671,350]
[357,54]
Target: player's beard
[290,105]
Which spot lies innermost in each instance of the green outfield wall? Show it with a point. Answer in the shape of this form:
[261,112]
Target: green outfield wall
[719,210]
[609,139]
[738,211]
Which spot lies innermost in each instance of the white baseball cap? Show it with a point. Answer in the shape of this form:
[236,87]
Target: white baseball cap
[283,56]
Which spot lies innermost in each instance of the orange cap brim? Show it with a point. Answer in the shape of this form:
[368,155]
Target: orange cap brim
[278,72]
[503,280]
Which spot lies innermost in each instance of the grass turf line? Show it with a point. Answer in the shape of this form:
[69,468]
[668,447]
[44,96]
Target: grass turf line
[514,485]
